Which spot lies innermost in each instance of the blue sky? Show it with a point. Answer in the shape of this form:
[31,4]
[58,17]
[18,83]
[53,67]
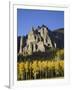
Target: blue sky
[28,18]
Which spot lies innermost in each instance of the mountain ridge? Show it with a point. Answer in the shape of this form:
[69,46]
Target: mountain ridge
[40,39]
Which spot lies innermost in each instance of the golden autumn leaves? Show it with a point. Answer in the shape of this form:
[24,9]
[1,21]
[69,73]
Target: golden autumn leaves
[40,69]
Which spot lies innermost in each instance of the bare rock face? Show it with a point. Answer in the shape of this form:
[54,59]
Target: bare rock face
[41,46]
[37,40]
[21,45]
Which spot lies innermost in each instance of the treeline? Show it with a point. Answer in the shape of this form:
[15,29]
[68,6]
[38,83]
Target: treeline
[41,69]
[49,55]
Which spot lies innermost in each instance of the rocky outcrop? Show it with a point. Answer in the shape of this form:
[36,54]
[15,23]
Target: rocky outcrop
[39,39]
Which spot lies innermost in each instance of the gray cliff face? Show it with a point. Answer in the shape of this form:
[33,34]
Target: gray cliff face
[37,40]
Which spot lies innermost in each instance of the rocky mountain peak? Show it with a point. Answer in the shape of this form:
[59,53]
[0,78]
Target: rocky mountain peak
[39,39]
